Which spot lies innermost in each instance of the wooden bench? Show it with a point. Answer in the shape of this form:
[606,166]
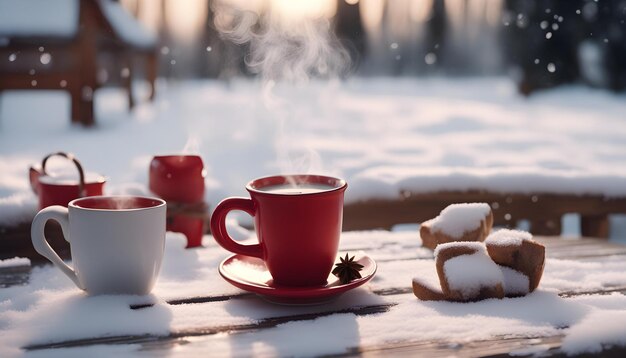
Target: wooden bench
[542,211]
[102,50]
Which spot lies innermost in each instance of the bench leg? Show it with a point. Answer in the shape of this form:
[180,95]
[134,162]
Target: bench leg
[152,65]
[594,226]
[127,81]
[75,99]
[86,112]
[546,227]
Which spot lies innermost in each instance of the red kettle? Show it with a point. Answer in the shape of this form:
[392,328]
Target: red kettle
[61,189]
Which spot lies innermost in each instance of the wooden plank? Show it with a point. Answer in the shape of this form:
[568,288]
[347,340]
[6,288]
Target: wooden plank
[261,324]
[15,241]
[204,331]
[14,276]
[492,347]
[499,347]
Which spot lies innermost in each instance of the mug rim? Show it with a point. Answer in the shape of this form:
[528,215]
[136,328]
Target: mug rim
[165,156]
[99,179]
[73,204]
[343,184]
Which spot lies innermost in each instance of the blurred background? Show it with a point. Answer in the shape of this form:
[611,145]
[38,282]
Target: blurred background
[540,44]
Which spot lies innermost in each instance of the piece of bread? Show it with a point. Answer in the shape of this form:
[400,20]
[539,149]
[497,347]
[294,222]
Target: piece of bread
[467,273]
[517,250]
[433,232]
[426,291]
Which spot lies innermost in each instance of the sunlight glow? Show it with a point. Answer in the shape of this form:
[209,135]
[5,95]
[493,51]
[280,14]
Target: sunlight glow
[295,9]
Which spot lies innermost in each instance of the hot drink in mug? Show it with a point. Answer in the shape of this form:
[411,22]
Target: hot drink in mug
[116,242]
[298,222]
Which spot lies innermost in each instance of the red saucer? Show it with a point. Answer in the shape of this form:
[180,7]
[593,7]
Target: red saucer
[251,274]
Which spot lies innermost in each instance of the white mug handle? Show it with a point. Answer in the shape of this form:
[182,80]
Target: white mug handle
[59,214]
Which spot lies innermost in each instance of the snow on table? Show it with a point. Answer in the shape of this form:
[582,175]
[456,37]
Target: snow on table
[50,309]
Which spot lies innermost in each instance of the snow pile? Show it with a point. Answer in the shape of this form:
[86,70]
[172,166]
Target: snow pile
[16,261]
[506,237]
[600,329]
[514,282]
[457,219]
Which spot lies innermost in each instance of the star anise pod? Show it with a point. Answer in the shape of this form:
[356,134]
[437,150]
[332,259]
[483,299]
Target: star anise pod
[347,270]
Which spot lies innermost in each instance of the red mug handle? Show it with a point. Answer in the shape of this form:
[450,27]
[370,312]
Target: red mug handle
[218,226]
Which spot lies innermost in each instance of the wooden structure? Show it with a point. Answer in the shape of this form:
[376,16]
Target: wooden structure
[542,211]
[206,333]
[75,46]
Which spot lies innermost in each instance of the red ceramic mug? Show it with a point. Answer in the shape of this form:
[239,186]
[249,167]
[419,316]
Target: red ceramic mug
[179,179]
[298,222]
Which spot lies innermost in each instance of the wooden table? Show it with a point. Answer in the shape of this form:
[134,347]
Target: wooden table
[580,249]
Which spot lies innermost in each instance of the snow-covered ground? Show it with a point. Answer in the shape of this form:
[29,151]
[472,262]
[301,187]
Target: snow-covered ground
[379,134]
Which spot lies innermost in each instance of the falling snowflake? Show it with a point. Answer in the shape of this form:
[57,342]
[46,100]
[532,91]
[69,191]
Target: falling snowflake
[430,58]
[45,58]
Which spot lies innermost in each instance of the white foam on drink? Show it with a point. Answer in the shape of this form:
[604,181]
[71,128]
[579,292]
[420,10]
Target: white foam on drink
[294,189]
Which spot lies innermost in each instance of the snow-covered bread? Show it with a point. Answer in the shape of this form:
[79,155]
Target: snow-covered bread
[467,273]
[518,251]
[427,291]
[458,222]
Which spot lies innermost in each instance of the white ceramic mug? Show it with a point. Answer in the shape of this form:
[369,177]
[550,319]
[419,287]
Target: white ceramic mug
[116,242]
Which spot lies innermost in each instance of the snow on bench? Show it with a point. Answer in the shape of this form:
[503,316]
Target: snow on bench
[59,18]
[389,182]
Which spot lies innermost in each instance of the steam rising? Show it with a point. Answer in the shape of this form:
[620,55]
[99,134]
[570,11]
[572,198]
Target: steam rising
[192,146]
[283,47]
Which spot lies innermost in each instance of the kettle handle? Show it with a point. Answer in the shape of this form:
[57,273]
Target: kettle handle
[70,156]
